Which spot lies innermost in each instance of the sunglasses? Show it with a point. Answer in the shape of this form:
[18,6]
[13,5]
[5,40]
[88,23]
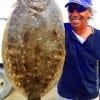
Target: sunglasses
[78,8]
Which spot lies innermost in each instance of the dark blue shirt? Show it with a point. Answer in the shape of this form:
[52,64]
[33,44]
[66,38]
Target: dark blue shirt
[80,77]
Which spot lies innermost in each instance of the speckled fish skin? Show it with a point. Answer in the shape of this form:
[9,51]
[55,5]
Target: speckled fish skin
[33,48]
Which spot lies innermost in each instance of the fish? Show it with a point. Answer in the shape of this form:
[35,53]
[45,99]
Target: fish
[33,47]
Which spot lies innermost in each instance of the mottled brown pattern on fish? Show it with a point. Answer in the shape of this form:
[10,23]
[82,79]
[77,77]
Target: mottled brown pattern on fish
[33,47]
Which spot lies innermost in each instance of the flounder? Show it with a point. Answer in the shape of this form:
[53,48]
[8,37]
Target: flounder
[33,48]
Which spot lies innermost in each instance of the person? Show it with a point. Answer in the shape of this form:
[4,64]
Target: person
[80,75]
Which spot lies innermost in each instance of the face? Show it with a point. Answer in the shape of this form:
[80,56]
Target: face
[78,15]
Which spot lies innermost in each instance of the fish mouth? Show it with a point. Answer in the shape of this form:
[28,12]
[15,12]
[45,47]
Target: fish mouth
[37,5]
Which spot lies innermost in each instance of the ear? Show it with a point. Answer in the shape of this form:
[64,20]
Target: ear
[90,13]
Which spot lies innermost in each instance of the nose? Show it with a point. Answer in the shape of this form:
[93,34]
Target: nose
[75,12]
